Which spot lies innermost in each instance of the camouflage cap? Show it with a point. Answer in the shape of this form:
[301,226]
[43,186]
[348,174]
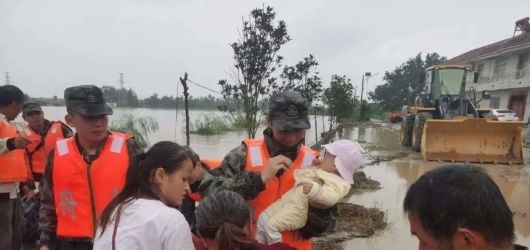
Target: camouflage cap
[87,100]
[288,110]
[30,107]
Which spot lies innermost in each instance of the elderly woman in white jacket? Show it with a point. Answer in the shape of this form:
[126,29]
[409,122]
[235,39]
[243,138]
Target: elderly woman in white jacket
[321,186]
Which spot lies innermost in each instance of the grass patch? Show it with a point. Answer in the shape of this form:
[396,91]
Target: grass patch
[236,120]
[209,125]
[360,181]
[214,125]
[327,245]
[355,218]
[140,127]
[353,221]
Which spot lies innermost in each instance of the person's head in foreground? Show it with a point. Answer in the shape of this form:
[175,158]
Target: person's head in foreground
[342,157]
[457,207]
[223,218]
[223,223]
[160,174]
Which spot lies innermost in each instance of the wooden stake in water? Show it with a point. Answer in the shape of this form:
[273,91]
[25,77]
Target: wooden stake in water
[186,105]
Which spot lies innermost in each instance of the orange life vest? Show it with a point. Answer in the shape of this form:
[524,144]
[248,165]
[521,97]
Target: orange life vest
[39,147]
[13,164]
[212,164]
[83,190]
[257,159]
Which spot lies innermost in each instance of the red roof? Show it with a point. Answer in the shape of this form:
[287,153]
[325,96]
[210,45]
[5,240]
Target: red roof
[492,49]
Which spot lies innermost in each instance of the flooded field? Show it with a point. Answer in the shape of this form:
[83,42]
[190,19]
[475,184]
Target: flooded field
[171,127]
[399,173]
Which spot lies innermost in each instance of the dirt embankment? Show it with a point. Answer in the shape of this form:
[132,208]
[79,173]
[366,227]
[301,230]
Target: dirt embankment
[353,220]
[362,182]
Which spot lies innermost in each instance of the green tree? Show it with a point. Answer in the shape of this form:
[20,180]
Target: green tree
[132,98]
[339,99]
[109,93]
[303,78]
[256,58]
[153,101]
[405,82]
[122,97]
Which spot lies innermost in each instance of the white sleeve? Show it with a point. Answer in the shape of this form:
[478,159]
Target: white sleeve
[177,235]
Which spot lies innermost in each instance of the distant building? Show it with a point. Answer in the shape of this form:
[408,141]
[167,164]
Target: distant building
[504,71]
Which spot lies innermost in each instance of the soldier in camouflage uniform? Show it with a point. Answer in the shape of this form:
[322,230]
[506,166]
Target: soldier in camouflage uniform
[287,122]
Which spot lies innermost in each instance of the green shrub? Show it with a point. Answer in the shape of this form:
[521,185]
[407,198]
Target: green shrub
[141,128]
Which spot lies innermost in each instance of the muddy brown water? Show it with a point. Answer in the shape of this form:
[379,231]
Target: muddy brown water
[397,175]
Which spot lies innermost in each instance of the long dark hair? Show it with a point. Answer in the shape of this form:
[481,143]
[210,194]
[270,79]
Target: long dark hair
[138,182]
[223,216]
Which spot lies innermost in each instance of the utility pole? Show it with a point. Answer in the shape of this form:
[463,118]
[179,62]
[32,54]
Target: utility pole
[354,98]
[316,128]
[322,114]
[122,82]
[184,82]
[8,80]
[367,74]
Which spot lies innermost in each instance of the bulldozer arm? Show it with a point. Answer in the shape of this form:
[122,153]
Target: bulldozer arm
[473,140]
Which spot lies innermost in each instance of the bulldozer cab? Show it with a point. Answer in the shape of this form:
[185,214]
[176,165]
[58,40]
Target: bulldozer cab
[446,80]
[446,85]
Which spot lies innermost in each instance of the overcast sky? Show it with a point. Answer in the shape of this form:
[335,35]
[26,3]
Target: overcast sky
[50,45]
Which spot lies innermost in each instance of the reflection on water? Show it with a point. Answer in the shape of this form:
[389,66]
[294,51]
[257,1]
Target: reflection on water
[397,176]
[207,146]
[384,138]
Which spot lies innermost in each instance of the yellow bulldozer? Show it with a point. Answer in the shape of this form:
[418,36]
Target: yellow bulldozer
[445,125]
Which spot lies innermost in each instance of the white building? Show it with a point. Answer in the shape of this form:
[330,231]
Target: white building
[504,71]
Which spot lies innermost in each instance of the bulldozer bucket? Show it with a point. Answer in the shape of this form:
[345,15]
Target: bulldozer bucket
[473,140]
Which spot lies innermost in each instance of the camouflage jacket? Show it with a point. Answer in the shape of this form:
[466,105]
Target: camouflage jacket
[47,215]
[231,173]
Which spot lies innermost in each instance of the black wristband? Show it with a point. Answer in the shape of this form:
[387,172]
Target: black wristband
[10,144]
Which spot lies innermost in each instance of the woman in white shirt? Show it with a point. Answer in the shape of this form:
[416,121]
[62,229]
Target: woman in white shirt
[142,216]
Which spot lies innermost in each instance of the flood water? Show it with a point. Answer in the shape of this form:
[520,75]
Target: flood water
[396,176]
[172,128]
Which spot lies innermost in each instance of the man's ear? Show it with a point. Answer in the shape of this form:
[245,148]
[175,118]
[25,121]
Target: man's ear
[464,238]
[269,122]
[69,120]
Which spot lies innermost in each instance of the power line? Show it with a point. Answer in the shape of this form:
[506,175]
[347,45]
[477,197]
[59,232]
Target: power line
[204,87]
